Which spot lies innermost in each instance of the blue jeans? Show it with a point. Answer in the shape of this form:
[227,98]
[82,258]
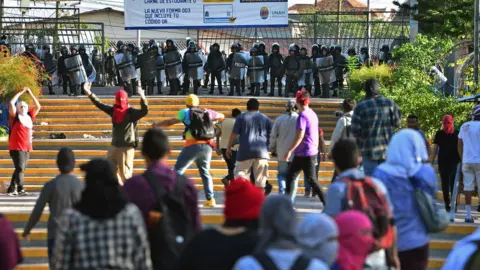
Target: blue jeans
[369,165]
[51,247]
[201,154]
[282,176]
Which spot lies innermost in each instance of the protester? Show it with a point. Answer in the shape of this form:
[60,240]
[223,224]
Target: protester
[282,136]
[345,155]
[318,234]
[20,138]
[374,121]
[196,149]
[219,248]
[321,156]
[254,128]
[125,136]
[277,246]
[469,151]
[445,143]
[464,254]
[403,169]
[355,239]
[343,127]
[413,123]
[103,230]
[223,136]
[305,146]
[61,193]
[155,150]
[10,252]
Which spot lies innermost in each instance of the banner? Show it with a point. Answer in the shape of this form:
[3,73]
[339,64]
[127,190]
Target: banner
[175,14]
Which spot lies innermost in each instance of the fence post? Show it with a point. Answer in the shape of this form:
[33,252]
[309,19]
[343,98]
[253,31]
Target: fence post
[104,77]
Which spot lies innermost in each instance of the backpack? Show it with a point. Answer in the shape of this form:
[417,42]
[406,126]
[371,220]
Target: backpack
[201,125]
[169,224]
[473,262]
[364,196]
[301,263]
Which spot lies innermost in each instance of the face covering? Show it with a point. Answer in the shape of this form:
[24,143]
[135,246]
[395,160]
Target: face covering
[23,117]
[318,234]
[447,124]
[355,239]
[121,106]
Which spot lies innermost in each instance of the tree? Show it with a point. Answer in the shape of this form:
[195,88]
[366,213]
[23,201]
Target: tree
[447,18]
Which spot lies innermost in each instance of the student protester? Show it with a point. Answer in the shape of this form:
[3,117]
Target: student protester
[60,193]
[445,143]
[225,130]
[277,246]
[219,248]
[155,151]
[355,239]
[10,252]
[318,234]
[103,230]
[20,139]
[195,150]
[374,121]
[469,151]
[305,146]
[254,129]
[125,136]
[403,169]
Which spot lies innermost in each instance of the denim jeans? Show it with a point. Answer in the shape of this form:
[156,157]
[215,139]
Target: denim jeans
[369,165]
[317,168]
[282,176]
[201,154]
[51,247]
[307,165]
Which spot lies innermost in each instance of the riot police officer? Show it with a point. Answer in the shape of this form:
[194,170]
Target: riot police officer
[193,65]
[325,66]
[236,63]
[274,66]
[50,67]
[173,66]
[97,64]
[261,52]
[160,73]
[306,67]
[385,55]
[291,65]
[340,62]
[216,64]
[125,67]
[62,70]
[316,79]
[256,71]
[110,69]
[148,68]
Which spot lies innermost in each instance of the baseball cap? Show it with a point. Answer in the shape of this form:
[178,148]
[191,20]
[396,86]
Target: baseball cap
[192,100]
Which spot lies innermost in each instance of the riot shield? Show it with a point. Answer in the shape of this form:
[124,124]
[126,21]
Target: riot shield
[50,66]
[173,64]
[239,63]
[195,66]
[76,70]
[306,78]
[125,66]
[256,69]
[147,66]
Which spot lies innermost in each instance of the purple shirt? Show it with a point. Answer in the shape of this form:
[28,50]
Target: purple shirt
[139,192]
[308,122]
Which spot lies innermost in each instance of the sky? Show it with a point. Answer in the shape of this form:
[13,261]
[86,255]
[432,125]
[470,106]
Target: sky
[118,4]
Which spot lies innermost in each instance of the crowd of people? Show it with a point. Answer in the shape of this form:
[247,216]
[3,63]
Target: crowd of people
[372,217]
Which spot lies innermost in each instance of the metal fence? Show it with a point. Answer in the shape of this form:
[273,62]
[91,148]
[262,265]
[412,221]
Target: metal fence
[348,29]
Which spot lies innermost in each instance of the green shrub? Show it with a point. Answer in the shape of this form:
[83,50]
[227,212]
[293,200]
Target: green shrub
[3,132]
[357,77]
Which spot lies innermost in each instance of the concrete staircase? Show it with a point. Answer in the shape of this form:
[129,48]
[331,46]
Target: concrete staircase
[88,133]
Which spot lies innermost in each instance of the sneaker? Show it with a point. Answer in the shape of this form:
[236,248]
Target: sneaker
[469,220]
[22,193]
[12,193]
[210,203]
[307,193]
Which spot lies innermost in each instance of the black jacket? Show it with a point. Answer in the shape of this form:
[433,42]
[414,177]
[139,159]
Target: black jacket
[215,61]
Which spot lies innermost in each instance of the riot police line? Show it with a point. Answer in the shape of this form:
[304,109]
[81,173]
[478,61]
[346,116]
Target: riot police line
[157,66]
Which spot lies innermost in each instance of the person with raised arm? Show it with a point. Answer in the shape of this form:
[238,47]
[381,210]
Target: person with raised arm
[20,138]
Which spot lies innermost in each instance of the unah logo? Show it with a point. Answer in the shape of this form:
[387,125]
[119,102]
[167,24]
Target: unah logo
[264,13]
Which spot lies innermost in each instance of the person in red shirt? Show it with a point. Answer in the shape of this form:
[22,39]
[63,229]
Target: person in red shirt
[20,140]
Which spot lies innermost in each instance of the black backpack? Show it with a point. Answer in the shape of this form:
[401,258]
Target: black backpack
[174,229]
[473,262]
[201,125]
[301,263]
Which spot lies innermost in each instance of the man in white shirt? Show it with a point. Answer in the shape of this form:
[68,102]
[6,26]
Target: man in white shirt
[225,130]
[469,151]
